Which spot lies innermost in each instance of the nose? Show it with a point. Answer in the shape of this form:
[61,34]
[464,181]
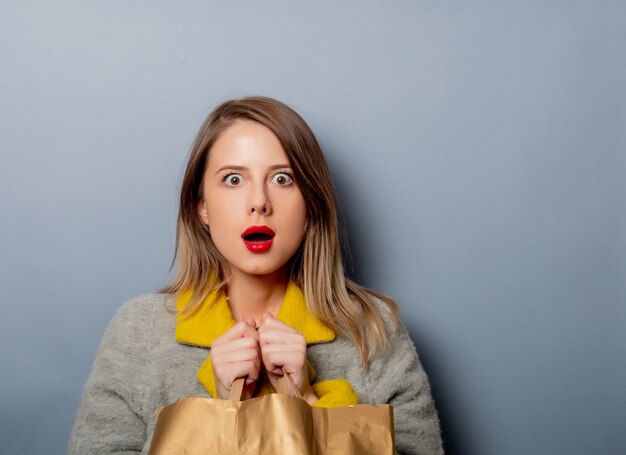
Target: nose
[259,201]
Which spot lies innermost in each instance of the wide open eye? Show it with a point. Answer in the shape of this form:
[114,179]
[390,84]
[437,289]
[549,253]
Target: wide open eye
[282,179]
[233,179]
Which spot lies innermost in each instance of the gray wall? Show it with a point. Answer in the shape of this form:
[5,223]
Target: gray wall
[478,149]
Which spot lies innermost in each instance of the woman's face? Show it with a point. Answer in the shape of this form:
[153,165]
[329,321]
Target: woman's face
[252,205]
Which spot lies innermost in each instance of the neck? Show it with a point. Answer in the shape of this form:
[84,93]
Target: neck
[249,296]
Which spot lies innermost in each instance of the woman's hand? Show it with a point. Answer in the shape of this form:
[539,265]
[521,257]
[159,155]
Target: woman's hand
[284,348]
[235,355]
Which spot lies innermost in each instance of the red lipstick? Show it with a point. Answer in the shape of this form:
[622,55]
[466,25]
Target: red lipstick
[258,239]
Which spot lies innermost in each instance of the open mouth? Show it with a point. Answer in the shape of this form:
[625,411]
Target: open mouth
[258,238]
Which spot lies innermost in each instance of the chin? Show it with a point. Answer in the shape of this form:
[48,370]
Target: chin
[262,269]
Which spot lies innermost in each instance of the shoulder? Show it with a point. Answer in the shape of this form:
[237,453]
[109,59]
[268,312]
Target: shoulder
[146,303]
[390,315]
[399,348]
[139,320]
[134,340]
[400,342]
[145,308]
[396,376]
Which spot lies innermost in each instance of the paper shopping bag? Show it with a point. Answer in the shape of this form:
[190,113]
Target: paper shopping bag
[271,424]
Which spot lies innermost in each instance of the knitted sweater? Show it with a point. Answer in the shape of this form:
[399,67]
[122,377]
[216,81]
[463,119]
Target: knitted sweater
[140,367]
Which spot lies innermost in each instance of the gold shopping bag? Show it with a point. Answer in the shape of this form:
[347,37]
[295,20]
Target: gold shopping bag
[271,424]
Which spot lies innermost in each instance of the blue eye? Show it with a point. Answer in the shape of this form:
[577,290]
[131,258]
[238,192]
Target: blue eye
[233,179]
[282,178]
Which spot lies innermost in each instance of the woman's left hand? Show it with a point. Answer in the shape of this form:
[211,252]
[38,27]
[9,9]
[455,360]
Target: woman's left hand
[284,348]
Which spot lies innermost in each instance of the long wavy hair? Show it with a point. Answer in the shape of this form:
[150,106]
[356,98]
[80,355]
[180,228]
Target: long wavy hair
[316,267]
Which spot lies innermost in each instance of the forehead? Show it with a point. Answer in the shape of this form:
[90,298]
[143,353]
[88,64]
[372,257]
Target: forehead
[246,143]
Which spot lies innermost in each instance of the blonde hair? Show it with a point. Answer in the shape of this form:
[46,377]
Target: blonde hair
[317,266]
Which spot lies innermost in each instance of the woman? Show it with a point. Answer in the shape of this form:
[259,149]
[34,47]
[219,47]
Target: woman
[259,287]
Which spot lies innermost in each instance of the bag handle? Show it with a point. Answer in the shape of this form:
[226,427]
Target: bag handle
[237,389]
[286,386]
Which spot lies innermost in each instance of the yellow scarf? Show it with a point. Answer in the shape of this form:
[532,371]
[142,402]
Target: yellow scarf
[214,318]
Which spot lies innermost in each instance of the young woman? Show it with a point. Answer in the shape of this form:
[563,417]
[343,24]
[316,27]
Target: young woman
[260,286]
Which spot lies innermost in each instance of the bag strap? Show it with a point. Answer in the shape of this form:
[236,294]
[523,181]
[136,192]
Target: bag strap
[286,386]
[237,389]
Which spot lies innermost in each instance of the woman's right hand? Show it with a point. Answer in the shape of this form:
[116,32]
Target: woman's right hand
[235,355]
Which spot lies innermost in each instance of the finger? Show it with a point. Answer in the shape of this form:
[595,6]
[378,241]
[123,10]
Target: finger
[296,374]
[278,349]
[251,322]
[234,345]
[239,330]
[293,361]
[240,349]
[281,337]
[246,370]
[271,323]
[235,356]
[227,373]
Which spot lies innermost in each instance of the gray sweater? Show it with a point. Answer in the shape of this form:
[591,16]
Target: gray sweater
[140,367]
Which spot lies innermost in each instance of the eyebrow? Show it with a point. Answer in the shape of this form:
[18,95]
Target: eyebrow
[230,167]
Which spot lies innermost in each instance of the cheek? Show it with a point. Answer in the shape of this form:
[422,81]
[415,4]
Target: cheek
[297,213]
[222,224]
[220,209]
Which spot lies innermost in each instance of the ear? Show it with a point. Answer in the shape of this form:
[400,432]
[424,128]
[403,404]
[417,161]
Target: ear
[202,212]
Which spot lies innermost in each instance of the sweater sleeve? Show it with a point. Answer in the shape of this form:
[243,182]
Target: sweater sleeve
[397,378]
[110,419]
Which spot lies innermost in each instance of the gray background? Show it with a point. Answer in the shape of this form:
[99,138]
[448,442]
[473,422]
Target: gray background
[479,153]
